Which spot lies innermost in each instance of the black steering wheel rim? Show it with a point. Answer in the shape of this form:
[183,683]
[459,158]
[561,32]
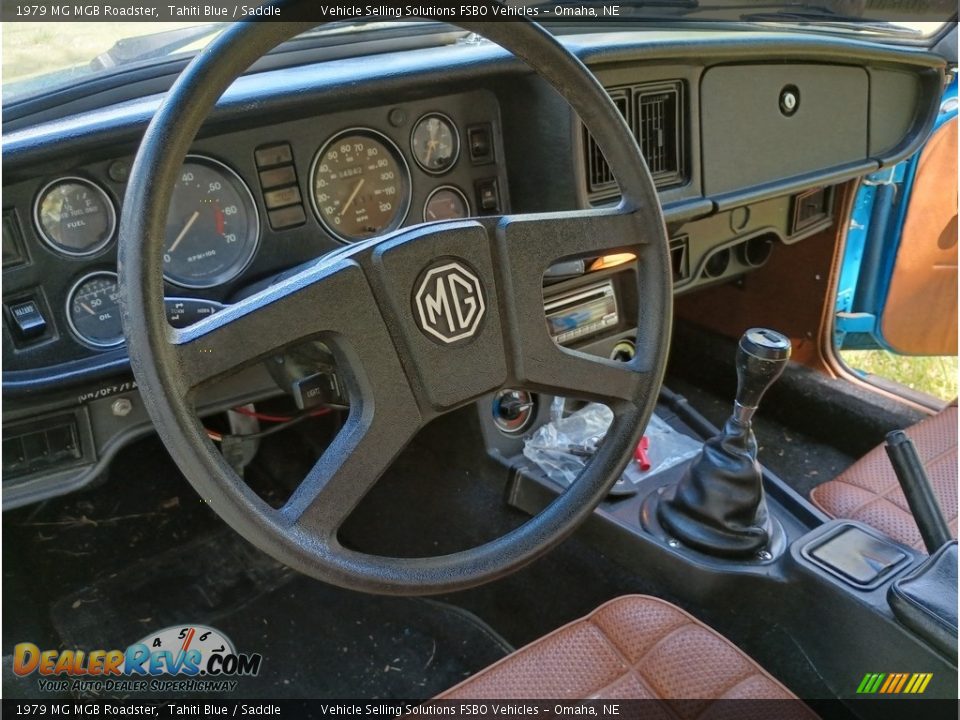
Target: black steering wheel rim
[162,368]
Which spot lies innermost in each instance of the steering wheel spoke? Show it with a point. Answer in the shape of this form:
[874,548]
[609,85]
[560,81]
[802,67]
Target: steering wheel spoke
[586,377]
[527,246]
[371,439]
[322,301]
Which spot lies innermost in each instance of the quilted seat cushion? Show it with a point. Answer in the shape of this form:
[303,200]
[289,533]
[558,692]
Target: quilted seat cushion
[633,647]
[868,490]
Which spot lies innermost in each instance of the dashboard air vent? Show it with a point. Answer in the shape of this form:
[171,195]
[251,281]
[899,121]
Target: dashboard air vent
[654,113]
[657,128]
[599,176]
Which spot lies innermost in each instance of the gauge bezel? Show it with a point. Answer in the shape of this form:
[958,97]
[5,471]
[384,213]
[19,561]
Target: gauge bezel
[232,274]
[53,244]
[95,344]
[398,154]
[456,136]
[453,188]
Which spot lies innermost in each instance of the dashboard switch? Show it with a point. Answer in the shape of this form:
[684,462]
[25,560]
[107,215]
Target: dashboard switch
[28,319]
[285,175]
[480,142]
[488,195]
[282,197]
[274,155]
[287,217]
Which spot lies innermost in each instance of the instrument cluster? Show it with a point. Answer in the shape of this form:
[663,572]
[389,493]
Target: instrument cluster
[360,182]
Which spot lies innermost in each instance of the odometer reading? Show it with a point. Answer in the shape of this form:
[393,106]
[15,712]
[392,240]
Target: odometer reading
[360,185]
[212,228]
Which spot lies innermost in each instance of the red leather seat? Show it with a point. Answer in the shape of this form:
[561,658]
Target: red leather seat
[868,490]
[634,647]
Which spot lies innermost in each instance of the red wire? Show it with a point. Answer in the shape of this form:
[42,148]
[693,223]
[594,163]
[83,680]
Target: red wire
[275,418]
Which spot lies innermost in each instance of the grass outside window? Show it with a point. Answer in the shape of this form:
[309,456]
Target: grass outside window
[936,376]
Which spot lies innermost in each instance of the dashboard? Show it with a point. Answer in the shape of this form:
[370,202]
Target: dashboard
[747,140]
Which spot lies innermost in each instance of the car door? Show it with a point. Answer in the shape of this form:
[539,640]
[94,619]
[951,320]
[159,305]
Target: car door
[898,282]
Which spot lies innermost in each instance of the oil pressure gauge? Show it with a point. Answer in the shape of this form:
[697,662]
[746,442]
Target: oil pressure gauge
[93,312]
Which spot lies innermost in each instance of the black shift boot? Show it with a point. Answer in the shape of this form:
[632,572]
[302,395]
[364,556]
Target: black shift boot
[718,505]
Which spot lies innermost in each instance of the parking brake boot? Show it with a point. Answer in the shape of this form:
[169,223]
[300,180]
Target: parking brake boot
[718,506]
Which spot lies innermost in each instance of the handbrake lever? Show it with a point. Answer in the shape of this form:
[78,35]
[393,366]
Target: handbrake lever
[918,491]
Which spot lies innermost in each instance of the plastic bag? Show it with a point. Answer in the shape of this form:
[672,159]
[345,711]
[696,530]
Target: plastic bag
[564,446]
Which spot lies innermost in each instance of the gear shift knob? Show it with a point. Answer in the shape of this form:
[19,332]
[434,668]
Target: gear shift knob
[762,356]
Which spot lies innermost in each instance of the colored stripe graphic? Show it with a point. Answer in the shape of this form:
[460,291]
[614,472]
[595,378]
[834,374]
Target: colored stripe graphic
[894,683]
[870,683]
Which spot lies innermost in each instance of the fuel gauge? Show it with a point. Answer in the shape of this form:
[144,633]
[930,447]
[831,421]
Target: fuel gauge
[435,143]
[75,216]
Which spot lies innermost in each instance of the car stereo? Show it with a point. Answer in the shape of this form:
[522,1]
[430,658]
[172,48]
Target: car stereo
[582,312]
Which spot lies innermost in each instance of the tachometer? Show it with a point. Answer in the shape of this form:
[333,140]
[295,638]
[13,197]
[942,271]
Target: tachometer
[213,228]
[360,185]
[93,312]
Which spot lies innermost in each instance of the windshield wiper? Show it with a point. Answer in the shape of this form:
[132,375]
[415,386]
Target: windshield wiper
[155,45]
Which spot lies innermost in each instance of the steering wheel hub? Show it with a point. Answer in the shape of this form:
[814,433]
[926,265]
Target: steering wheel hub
[449,302]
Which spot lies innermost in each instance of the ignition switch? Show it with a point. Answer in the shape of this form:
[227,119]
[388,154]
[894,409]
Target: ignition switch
[514,411]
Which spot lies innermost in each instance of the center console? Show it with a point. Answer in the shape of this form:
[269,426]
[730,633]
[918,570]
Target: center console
[842,597]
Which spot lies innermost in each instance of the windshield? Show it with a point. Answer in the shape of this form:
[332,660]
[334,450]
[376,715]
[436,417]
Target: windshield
[39,57]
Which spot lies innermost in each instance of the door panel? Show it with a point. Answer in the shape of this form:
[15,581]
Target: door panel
[920,313]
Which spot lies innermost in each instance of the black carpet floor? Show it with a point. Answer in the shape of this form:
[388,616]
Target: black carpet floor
[317,641]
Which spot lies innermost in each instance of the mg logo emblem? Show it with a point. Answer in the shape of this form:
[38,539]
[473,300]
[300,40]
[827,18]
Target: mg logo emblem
[449,303]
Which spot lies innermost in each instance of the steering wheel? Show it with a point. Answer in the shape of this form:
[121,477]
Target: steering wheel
[421,321]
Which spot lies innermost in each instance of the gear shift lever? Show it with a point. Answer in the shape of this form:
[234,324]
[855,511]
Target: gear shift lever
[761,357]
[718,506]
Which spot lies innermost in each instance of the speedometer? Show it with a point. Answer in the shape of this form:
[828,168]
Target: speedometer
[212,228]
[360,185]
